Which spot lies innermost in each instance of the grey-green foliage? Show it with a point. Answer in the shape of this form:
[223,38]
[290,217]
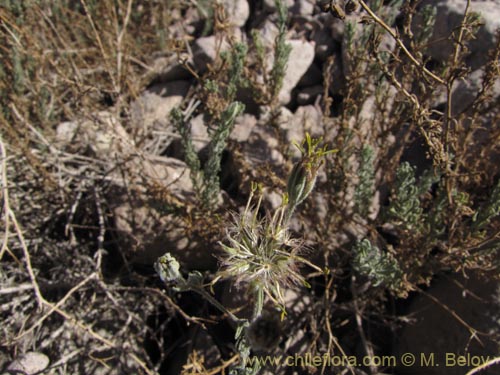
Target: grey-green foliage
[237,65]
[405,208]
[378,266]
[260,49]
[436,220]
[426,27]
[281,51]
[216,146]
[363,194]
[426,180]
[488,210]
[206,181]
[244,349]
[180,122]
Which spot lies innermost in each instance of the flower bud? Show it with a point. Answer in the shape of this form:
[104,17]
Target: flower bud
[167,268]
[301,181]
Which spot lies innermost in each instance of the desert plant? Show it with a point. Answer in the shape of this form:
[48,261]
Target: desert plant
[379,267]
[259,253]
[405,208]
[222,111]
[267,91]
[206,180]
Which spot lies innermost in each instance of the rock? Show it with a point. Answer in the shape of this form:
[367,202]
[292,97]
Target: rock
[262,148]
[205,51]
[237,11]
[268,31]
[146,228]
[101,132]
[29,363]
[106,137]
[141,204]
[166,69]
[301,58]
[66,132]
[449,16]
[199,132]
[366,118]
[151,110]
[434,330]
[243,127]
[273,199]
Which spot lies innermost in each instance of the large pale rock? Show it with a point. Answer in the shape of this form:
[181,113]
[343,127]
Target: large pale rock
[29,363]
[268,32]
[205,51]
[299,62]
[168,68]
[152,108]
[243,127]
[237,11]
[301,58]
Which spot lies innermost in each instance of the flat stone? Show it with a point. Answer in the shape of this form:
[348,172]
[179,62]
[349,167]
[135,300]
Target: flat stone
[301,58]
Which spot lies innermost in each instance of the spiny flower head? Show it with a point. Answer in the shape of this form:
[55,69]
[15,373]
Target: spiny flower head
[260,252]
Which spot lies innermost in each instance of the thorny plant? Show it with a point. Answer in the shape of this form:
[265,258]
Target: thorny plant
[260,252]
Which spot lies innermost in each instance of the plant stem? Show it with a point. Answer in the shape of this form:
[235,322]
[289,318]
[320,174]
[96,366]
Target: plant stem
[259,303]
